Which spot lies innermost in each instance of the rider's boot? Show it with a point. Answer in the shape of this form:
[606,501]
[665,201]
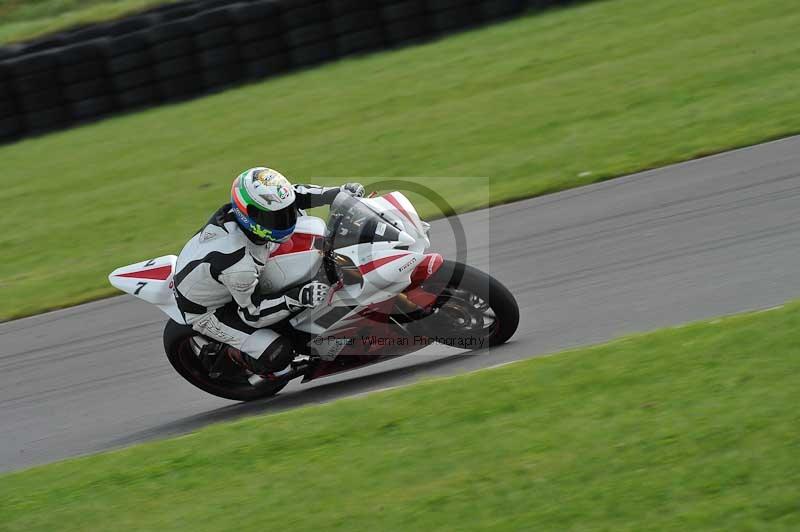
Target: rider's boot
[276,367]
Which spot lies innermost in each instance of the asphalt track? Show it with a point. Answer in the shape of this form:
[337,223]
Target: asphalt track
[694,240]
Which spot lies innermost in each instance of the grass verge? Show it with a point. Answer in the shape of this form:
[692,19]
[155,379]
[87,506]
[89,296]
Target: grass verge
[691,428]
[26,19]
[552,101]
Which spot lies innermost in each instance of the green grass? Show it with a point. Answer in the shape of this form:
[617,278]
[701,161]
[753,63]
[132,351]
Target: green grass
[536,105]
[692,428]
[26,19]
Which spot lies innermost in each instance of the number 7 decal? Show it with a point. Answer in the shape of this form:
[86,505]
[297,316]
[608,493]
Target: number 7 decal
[140,284]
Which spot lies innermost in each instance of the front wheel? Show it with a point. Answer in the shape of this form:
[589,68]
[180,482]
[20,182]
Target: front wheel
[212,372]
[473,310]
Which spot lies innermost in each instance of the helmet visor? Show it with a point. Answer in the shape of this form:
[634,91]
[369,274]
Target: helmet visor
[281,220]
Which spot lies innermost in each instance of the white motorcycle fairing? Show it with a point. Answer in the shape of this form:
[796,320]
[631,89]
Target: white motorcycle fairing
[151,281]
[297,260]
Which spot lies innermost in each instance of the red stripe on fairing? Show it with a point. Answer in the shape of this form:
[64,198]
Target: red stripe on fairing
[299,242]
[377,263]
[391,199]
[155,274]
[429,265]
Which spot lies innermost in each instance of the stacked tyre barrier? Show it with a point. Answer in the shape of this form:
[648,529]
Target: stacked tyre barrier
[185,49]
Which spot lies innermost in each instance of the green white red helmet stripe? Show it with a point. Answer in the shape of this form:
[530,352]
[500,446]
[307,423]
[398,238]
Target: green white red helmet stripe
[236,195]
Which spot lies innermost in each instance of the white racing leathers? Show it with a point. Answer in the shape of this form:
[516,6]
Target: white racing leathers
[216,284]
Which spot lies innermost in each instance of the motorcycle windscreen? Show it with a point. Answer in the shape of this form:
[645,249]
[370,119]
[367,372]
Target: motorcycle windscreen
[351,222]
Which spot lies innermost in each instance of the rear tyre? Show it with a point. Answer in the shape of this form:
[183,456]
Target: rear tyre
[471,306]
[232,381]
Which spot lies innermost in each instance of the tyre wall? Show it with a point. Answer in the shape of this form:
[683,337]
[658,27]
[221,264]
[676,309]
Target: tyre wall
[186,49]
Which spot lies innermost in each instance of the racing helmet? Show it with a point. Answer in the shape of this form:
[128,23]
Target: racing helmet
[263,202]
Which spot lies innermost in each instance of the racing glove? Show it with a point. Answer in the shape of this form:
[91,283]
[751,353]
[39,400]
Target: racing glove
[354,189]
[306,296]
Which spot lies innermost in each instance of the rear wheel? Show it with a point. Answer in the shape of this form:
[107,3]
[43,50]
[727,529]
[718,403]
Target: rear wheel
[197,361]
[473,310]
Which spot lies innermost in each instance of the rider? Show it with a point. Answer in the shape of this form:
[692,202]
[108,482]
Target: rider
[216,284]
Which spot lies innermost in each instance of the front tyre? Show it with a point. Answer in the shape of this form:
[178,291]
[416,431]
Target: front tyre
[473,309]
[220,377]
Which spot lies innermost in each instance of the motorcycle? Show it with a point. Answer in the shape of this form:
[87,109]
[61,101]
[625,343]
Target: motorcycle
[389,297]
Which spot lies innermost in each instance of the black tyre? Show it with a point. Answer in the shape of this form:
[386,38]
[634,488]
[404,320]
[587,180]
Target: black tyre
[222,76]
[11,127]
[79,72]
[441,5]
[132,24]
[88,33]
[8,107]
[175,67]
[130,43]
[230,384]
[45,120]
[130,80]
[215,57]
[179,11]
[215,38]
[266,66]
[8,52]
[313,53]
[256,50]
[25,65]
[355,22]
[176,29]
[144,95]
[130,61]
[341,7]
[87,89]
[209,5]
[471,305]
[85,52]
[453,19]
[180,88]
[258,31]
[211,19]
[174,48]
[363,41]
[267,13]
[90,108]
[403,10]
[6,86]
[297,14]
[545,4]
[47,98]
[47,44]
[411,29]
[307,35]
[498,9]
[35,82]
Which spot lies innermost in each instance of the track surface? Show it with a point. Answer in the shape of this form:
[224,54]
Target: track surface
[694,240]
